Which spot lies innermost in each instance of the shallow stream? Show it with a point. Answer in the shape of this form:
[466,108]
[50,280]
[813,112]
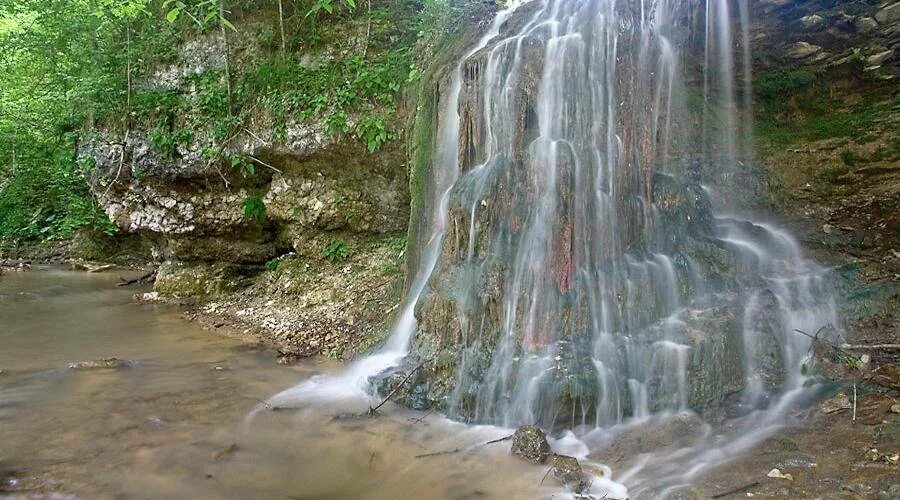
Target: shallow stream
[174,422]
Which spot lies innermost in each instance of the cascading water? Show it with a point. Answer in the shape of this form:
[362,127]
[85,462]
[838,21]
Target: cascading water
[575,273]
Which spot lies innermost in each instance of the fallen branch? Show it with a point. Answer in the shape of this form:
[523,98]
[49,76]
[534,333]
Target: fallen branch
[91,268]
[506,438]
[545,475]
[257,160]
[139,279]
[448,452]
[373,411]
[871,346]
[736,490]
[420,419]
[457,450]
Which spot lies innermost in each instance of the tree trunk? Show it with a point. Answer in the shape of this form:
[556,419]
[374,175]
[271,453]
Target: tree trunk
[281,25]
[227,65]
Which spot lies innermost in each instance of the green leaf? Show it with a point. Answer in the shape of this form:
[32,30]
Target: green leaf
[173,15]
[227,24]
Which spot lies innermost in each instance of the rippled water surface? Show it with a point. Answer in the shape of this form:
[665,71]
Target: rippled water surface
[174,423]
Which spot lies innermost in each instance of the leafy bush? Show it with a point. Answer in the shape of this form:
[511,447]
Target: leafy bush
[373,131]
[254,209]
[336,251]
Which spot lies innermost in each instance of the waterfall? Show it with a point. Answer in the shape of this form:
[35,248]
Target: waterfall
[582,268]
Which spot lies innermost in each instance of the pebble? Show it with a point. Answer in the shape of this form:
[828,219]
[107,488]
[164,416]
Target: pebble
[777,474]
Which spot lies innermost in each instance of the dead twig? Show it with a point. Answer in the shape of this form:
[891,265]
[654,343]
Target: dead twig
[420,419]
[457,450]
[257,160]
[739,489]
[854,347]
[101,268]
[505,438]
[373,411]
[447,452]
[139,279]
[545,475]
[258,138]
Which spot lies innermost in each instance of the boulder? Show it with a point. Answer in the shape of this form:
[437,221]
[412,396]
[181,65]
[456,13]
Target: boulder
[878,58]
[530,443]
[865,25]
[888,14]
[568,471]
[801,50]
[812,21]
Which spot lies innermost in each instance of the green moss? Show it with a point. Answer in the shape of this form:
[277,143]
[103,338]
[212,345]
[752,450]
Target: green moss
[774,86]
[822,124]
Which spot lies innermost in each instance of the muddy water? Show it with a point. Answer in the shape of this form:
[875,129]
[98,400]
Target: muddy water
[174,424]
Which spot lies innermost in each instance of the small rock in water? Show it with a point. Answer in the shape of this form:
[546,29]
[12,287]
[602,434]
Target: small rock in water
[777,474]
[568,471]
[530,443]
[871,408]
[107,363]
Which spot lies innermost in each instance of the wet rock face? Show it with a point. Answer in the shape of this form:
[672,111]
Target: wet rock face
[585,280]
[530,443]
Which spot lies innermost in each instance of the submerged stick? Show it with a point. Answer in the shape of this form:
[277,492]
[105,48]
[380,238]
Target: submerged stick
[735,490]
[373,411]
[125,282]
[457,450]
[436,453]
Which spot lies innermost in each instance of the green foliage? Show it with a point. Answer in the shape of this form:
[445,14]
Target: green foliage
[272,265]
[373,131]
[242,164]
[328,6]
[205,13]
[166,142]
[254,209]
[63,62]
[336,251]
[71,63]
[780,83]
[397,244]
